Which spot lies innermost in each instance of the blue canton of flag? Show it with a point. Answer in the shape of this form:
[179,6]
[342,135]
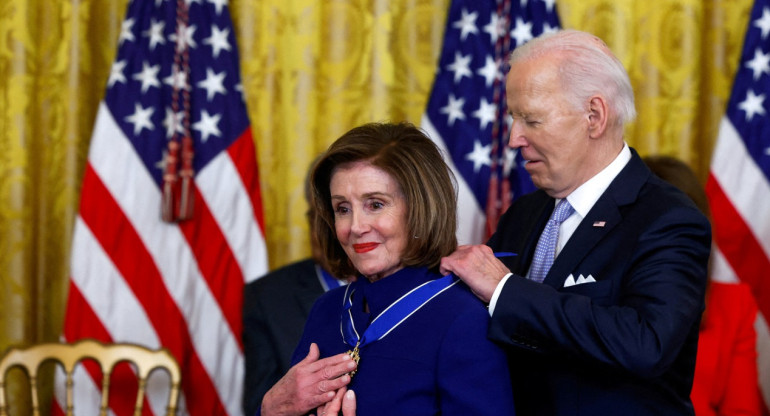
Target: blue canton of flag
[465,113]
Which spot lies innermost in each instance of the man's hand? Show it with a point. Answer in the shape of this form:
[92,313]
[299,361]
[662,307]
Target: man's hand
[308,385]
[344,400]
[478,267]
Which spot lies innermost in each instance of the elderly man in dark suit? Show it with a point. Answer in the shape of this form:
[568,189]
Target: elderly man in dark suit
[612,326]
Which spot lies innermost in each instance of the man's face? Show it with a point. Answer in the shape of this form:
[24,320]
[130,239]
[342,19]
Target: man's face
[551,134]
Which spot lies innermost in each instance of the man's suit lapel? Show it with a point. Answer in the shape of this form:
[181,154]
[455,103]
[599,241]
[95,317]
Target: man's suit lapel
[601,219]
[541,207]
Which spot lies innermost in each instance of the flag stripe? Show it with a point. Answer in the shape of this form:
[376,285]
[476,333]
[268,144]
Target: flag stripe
[721,271]
[87,324]
[243,152]
[121,243]
[743,182]
[738,245]
[94,275]
[470,218]
[171,254]
[217,265]
[93,284]
[232,201]
[88,385]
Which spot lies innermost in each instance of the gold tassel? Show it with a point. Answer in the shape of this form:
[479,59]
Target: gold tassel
[170,180]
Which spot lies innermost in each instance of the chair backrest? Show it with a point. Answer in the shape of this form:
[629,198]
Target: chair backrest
[106,355]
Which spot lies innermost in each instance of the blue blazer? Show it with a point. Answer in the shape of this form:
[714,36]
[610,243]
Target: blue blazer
[437,362]
[626,343]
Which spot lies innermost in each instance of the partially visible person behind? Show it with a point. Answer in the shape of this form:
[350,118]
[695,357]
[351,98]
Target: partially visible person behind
[275,308]
[726,381]
[387,213]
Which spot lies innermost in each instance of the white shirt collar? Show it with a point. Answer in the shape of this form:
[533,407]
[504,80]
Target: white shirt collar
[585,196]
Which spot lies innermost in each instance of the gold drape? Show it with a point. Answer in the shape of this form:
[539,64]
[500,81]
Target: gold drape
[311,69]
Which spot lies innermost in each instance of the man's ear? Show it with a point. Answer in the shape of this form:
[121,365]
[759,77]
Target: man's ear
[597,116]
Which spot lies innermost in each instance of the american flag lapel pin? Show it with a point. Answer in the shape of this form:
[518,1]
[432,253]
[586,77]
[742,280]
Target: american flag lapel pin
[600,224]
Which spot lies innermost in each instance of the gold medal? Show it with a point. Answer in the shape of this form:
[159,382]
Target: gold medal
[354,355]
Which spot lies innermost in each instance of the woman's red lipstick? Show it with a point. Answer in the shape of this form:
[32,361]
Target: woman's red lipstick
[364,247]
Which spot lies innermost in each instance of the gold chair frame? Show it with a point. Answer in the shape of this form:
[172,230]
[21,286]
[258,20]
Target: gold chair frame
[106,355]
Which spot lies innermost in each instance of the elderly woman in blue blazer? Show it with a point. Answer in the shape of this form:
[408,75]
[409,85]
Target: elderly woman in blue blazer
[386,208]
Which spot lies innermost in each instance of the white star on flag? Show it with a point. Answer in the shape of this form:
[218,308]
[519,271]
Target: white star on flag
[759,64]
[490,71]
[752,105]
[116,73]
[148,76]
[187,39]
[764,22]
[207,125]
[218,40]
[496,27]
[219,5]
[522,32]
[486,113]
[480,155]
[467,24]
[177,79]
[141,118]
[461,67]
[126,33]
[454,109]
[173,122]
[155,33]
[214,83]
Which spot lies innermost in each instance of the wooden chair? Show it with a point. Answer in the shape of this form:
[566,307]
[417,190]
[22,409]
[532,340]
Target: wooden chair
[106,355]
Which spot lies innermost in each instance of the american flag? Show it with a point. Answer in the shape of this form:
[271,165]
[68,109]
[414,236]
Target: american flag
[738,185]
[466,110]
[178,284]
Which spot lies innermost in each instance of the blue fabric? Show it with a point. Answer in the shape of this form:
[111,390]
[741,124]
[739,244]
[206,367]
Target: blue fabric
[438,361]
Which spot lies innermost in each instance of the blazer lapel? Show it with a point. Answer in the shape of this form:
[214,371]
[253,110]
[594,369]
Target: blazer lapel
[600,220]
[545,206]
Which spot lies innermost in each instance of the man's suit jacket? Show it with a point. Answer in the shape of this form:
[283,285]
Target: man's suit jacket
[626,343]
[275,308]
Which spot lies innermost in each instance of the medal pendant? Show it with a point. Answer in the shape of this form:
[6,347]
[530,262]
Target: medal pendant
[354,355]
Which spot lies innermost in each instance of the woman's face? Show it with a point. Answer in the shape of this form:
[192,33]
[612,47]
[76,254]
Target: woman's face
[369,218]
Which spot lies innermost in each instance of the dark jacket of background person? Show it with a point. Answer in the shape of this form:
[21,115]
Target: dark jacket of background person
[275,308]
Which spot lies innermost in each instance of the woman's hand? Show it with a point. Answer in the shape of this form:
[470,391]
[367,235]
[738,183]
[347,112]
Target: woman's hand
[308,384]
[344,400]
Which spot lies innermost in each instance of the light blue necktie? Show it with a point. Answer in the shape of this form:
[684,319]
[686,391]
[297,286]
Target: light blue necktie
[546,246]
